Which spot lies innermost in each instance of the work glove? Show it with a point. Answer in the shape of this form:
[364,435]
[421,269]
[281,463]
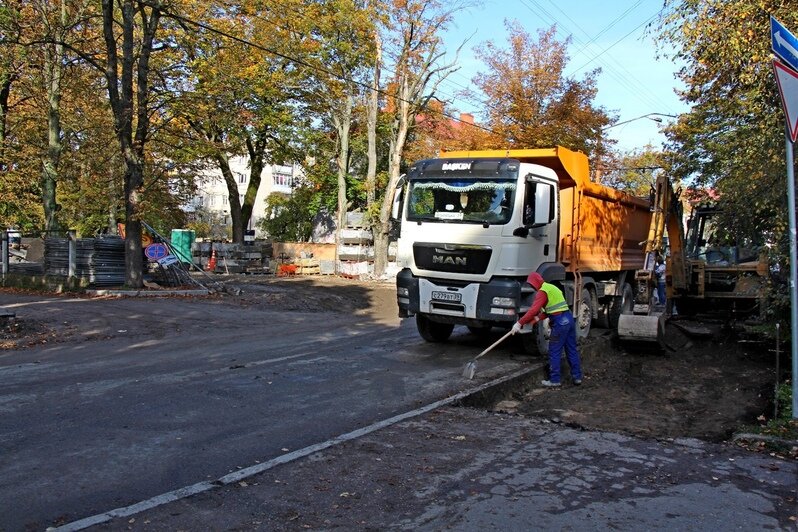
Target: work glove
[518,328]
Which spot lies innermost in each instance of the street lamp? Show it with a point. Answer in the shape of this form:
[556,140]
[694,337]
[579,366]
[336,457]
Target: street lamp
[651,116]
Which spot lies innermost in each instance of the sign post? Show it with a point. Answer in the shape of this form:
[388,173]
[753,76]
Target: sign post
[785,46]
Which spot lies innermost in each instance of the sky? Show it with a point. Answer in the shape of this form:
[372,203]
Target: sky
[611,35]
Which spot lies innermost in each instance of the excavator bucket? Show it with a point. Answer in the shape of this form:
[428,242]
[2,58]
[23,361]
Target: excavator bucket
[636,328]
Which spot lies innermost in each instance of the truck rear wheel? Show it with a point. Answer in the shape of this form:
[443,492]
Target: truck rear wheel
[433,331]
[621,305]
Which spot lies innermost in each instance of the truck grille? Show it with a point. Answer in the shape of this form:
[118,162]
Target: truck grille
[454,258]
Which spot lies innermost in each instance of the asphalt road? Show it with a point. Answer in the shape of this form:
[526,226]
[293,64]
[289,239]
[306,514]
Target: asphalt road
[138,397]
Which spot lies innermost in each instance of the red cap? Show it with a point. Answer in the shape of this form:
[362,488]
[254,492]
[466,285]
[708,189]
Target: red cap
[535,279]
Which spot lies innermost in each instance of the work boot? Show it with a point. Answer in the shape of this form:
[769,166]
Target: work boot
[549,384]
[577,382]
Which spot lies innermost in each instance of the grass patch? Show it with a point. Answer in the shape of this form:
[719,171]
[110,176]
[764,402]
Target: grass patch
[778,435]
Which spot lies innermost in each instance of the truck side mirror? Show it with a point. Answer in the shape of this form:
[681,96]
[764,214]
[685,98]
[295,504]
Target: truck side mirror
[397,198]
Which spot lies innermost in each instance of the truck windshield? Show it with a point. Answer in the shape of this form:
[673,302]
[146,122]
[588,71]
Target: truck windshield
[461,200]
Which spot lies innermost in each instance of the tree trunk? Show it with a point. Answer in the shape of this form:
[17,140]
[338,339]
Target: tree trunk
[5,91]
[134,260]
[51,160]
[400,128]
[233,199]
[257,152]
[53,70]
[371,123]
[125,108]
[343,124]
[112,196]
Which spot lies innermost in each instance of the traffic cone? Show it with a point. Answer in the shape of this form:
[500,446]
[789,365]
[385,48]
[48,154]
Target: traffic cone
[212,262]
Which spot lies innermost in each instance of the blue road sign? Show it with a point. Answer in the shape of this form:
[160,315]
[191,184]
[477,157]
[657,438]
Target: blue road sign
[156,251]
[784,44]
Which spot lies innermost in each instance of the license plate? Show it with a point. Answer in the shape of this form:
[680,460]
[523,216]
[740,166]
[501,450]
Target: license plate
[454,297]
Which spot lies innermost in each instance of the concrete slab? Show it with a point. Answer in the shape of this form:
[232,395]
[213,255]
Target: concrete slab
[147,293]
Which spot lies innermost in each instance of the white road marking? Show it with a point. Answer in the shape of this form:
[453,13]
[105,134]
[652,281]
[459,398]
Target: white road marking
[238,476]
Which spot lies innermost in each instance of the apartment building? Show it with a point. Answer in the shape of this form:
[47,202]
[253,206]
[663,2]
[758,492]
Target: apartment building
[212,204]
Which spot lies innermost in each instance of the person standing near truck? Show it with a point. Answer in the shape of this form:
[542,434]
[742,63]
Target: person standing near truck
[550,303]
[659,274]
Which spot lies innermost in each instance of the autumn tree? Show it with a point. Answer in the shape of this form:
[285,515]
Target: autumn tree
[733,137]
[635,171]
[439,128]
[344,32]
[241,92]
[11,61]
[414,49]
[529,102]
[55,104]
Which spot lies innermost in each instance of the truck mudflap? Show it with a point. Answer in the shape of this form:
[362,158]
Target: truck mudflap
[460,302]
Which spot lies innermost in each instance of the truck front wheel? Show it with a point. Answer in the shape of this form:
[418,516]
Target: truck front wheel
[537,342]
[433,331]
[584,316]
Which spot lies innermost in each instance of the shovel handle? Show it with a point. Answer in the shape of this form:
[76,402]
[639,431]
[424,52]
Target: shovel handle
[494,344]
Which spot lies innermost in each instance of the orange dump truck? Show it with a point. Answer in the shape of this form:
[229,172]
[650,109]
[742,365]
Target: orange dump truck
[475,224]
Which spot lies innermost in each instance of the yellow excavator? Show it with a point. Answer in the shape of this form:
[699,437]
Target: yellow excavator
[702,272]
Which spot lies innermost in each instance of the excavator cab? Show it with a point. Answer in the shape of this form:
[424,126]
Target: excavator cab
[708,243]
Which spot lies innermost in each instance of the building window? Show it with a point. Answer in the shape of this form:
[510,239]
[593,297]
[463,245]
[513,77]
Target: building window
[242,179]
[224,200]
[284,180]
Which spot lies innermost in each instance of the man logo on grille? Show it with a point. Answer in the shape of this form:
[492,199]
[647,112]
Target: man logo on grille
[448,259]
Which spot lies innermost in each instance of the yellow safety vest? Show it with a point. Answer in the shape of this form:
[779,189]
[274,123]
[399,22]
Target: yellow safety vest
[555,300]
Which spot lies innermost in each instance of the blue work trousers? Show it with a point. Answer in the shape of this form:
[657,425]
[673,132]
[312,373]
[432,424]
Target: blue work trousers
[661,291]
[563,336]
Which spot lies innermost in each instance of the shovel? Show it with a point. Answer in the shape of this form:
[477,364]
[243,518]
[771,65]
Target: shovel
[470,369]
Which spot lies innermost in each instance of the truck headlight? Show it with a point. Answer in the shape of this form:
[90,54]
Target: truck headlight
[402,291]
[503,302]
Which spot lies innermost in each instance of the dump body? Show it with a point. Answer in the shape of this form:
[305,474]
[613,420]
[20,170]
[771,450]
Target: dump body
[475,224]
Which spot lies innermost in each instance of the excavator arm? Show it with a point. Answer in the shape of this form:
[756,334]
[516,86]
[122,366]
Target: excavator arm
[666,220]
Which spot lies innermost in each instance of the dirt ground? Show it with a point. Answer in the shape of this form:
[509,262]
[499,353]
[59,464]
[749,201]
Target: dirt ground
[706,389]
[701,388]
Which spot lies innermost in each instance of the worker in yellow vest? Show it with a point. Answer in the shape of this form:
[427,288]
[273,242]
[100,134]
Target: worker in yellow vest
[550,303]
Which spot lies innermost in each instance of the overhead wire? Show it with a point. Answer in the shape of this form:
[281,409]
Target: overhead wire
[642,92]
[628,81]
[299,61]
[306,64]
[451,97]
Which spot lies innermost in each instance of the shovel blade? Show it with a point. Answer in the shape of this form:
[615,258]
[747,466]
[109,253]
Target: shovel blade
[470,370]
